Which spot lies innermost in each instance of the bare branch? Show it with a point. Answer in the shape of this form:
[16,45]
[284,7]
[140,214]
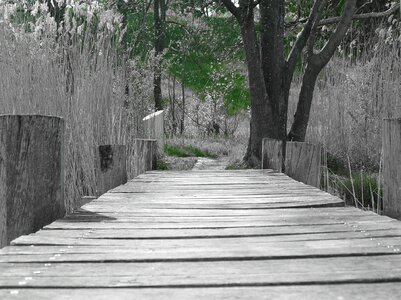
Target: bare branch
[386,13]
[232,8]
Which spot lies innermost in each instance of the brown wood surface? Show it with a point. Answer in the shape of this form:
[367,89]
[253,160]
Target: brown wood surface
[392,168]
[251,234]
[31,174]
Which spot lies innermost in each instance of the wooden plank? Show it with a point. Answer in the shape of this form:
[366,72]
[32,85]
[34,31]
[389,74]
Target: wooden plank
[187,235]
[110,167]
[327,241]
[272,154]
[87,238]
[221,273]
[358,291]
[54,235]
[31,173]
[142,157]
[391,167]
[154,128]
[303,162]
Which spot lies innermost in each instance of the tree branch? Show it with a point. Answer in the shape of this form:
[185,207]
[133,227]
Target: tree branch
[304,35]
[386,13]
[323,57]
[232,8]
[251,7]
[256,3]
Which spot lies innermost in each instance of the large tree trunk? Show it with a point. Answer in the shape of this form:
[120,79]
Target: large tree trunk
[182,122]
[159,28]
[274,64]
[262,119]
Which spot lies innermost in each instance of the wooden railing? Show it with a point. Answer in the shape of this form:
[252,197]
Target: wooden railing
[31,174]
[32,171]
[392,168]
[302,161]
[154,128]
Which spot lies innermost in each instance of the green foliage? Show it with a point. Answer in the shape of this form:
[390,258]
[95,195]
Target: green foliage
[361,188]
[239,165]
[198,152]
[185,151]
[163,165]
[139,34]
[175,151]
[197,55]
[336,165]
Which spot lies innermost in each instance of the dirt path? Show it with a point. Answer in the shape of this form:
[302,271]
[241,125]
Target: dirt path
[205,163]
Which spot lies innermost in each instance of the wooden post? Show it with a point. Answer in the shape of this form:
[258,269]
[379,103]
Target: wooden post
[110,167]
[392,168]
[154,128]
[272,154]
[31,174]
[303,162]
[142,158]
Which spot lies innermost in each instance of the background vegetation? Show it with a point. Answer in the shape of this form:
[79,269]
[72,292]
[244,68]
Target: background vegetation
[93,62]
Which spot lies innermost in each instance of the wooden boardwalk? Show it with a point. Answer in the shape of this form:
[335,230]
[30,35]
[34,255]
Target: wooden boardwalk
[250,234]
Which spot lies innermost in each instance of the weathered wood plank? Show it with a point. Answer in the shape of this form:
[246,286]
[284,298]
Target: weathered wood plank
[357,291]
[221,273]
[31,173]
[62,236]
[219,234]
[110,167]
[154,128]
[392,167]
[89,239]
[303,162]
[142,157]
[272,154]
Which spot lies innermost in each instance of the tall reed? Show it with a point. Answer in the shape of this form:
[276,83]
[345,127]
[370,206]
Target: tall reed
[82,78]
[351,98]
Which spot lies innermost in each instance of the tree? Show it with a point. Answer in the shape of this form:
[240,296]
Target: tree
[159,10]
[270,70]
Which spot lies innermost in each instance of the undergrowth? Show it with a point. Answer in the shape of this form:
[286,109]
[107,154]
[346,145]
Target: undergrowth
[186,151]
[359,188]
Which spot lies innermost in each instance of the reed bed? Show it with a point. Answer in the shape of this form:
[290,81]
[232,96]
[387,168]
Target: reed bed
[351,98]
[84,79]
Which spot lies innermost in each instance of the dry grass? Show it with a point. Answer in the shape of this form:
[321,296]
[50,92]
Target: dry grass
[350,101]
[84,84]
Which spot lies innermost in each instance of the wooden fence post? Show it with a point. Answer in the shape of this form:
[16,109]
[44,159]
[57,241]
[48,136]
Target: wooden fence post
[303,162]
[31,174]
[272,154]
[110,167]
[143,157]
[154,128]
[392,168]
